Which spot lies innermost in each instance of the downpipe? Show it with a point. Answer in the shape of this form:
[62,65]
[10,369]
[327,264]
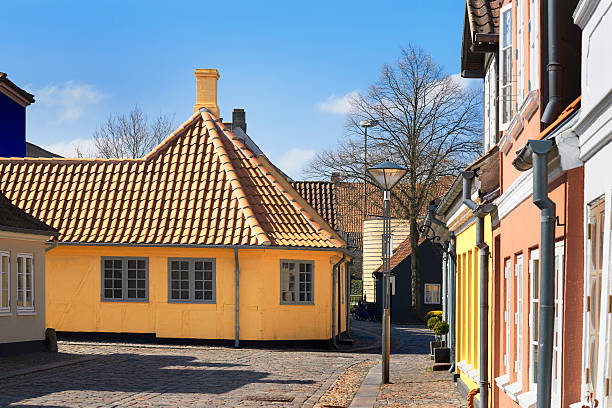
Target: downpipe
[452,265]
[554,68]
[480,211]
[335,269]
[548,209]
[237,315]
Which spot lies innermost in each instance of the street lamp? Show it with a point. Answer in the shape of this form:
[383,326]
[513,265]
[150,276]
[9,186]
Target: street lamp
[366,124]
[387,175]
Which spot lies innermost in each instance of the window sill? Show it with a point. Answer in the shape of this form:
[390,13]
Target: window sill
[528,399]
[502,381]
[513,390]
[125,300]
[297,303]
[197,302]
[26,312]
[578,404]
[5,313]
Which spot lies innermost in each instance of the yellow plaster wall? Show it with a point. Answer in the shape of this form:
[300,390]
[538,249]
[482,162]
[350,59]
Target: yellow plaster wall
[73,281]
[467,299]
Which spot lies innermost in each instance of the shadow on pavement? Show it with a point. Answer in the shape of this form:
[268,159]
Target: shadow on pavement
[129,373]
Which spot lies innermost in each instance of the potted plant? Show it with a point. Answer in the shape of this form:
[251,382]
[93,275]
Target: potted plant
[431,323]
[441,354]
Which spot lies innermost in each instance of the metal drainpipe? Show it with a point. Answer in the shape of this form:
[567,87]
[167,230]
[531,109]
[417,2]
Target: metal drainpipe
[237,317]
[451,300]
[347,299]
[334,284]
[555,69]
[540,150]
[483,250]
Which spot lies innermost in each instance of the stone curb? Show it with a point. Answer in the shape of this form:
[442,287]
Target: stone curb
[314,398]
[368,391]
[49,366]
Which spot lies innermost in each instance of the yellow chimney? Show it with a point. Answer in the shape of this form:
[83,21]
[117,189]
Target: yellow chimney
[206,90]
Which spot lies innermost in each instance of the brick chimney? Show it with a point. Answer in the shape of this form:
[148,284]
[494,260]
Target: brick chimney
[206,90]
[239,119]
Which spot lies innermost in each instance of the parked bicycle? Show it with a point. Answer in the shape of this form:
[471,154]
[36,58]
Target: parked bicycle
[365,311]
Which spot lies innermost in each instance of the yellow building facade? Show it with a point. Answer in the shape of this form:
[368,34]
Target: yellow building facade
[467,299]
[74,299]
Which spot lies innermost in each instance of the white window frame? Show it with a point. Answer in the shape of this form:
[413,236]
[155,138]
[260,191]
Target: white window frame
[191,281]
[505,78]
[124,277]
[520,51]
[429,298]
[5,291]
[518,316]
[558,326]
[534,39]
[534,314]
[22,281]
[297,282]
[507,313]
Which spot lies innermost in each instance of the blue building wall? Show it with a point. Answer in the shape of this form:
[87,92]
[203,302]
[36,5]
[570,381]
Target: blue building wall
[12,128]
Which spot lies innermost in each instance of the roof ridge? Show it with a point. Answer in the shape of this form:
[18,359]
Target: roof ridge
[231,174]
[164,143]
[238,144]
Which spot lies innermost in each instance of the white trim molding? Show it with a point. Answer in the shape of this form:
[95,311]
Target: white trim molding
[516,126]
[529,105]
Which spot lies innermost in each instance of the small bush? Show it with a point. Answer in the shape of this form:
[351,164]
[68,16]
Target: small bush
[441,328]
[432,321]
[437,313]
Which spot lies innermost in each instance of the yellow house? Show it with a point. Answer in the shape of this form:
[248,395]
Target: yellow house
[200,238]
[461,221]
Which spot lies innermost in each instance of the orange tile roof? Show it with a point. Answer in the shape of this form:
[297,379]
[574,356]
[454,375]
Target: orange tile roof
[200,186]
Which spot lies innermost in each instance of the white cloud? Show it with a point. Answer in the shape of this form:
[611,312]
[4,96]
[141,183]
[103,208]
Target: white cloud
[69,148]
[68,101]
[293,161]
[467,83]
[338,104]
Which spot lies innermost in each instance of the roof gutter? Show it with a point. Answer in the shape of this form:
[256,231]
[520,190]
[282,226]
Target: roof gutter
[480,211]
[555,68]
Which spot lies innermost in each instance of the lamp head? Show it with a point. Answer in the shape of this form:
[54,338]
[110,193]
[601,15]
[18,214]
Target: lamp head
[387,174]
[368,123]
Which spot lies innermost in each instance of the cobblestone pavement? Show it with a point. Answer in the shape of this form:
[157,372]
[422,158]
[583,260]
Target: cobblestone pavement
[141,375]
[163,376]
[413,383]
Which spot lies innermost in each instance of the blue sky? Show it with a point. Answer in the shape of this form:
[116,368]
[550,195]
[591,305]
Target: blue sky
[289,64]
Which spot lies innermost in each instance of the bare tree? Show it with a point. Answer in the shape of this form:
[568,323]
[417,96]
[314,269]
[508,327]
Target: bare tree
[428,121]
[129,135]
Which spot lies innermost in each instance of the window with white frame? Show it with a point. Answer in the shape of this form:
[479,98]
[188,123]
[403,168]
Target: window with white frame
[534,37]
[5,279]
[518,316]
[558,327]
[506,65]
[432,293]
[507,272]
[534,315]
[25,282]
[297,282]
[595,246]
[125,279]
[191,280]
[520,61]
[490,107]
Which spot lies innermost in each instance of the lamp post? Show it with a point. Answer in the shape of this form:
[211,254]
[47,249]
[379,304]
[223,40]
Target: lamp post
[387,175]
[366,124]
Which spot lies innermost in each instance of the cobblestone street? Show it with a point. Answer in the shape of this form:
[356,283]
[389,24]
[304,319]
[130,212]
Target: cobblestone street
[122,375]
